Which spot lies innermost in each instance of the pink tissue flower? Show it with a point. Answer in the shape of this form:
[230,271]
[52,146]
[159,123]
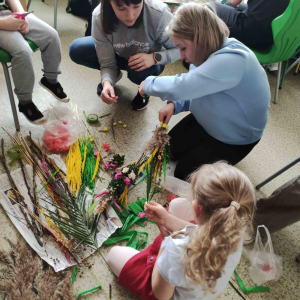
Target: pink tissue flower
[118,175]
[112,165]
[142,215]
[127,181]
[106,165]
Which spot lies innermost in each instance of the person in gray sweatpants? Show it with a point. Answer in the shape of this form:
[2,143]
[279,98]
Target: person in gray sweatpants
[13,33]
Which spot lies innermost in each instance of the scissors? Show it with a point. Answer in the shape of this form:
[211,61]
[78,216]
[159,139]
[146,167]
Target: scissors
[21,15]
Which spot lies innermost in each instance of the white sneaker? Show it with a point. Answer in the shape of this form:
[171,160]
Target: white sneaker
[273,67]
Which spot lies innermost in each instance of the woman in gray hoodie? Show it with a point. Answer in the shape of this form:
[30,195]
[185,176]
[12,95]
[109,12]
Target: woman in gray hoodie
[126,35]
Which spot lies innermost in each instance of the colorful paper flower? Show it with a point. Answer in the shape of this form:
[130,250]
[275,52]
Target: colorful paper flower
[106,165]
[124,126]
[120,122]
[105,129]
[125,170]
[132,175]
[142,215]
[106,147]
[127,181]
[118,175]
[115,124]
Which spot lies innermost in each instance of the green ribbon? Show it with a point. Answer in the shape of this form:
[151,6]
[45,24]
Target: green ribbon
[74,274]
[15,155]
[79,294]
[128,217]
[255,289]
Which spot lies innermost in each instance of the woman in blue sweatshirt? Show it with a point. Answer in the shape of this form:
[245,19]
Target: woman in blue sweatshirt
[226,90]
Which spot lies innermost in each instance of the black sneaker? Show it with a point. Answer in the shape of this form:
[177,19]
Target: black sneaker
[100,87]
[32,113]
[55,89]
[139,102]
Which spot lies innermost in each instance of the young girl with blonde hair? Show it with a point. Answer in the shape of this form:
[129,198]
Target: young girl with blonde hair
[190,261]
[226,90]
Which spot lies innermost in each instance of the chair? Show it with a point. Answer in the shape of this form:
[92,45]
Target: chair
[5,58]
[286,36]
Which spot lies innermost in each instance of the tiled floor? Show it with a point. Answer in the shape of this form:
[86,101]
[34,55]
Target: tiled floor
[279,145]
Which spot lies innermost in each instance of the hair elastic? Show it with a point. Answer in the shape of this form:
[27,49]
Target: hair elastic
[235,204]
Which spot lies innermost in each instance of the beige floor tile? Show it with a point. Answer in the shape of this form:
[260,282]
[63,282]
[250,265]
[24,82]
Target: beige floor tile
[279,145]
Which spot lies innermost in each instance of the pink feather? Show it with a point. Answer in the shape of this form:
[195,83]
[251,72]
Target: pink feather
[44,166]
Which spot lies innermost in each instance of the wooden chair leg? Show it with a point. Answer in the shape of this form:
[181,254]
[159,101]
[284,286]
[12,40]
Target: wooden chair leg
[11,96]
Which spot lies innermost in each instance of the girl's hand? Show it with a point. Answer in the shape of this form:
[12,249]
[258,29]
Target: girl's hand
[156,212]
[25,27]
[12,23]
[166,113]
[141,61]
[108,94]
[141,89]
[163,231]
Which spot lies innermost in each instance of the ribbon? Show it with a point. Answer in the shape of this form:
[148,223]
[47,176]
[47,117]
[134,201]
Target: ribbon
[254,289]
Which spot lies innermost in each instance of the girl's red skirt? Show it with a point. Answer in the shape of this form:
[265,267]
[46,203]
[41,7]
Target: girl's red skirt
[135,276]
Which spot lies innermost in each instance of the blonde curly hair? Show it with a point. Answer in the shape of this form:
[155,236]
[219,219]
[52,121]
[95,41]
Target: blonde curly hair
[216,188]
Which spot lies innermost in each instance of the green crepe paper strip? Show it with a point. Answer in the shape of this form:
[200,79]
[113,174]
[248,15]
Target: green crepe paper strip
[92,207]
[15,155]
[79,295]
[48,180]
[255,289]
[133,242]
[74,274]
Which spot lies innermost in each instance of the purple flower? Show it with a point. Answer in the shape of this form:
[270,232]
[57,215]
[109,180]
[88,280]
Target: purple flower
[142,215]
[118,175]
[127,181]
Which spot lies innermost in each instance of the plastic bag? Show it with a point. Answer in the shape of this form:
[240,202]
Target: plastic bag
[62,129]
[265,264]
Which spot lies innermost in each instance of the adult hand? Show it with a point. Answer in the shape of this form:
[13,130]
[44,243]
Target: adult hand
[25,27]
[141,61]
[108,93]
[156,212]
[12,23]
[166,113]
[141,89]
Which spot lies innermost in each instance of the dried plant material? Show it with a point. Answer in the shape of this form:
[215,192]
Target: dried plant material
[159,140]
[26,277]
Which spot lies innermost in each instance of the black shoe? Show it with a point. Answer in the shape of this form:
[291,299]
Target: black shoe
[100,87]
[32,113]
[186,65]
[139,102]
[55,89]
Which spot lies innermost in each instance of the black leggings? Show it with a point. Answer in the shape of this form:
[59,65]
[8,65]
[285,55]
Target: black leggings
[192,146]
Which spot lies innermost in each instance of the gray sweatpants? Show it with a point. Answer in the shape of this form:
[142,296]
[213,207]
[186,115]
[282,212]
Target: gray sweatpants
[46,38]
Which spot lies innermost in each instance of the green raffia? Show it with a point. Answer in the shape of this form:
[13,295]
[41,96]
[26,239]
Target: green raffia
[254,289]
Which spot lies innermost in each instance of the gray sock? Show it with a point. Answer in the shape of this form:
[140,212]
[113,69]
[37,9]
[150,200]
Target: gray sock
[52,81]
[24,102]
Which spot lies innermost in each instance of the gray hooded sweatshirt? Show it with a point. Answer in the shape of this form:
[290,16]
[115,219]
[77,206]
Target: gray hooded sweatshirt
[149,37]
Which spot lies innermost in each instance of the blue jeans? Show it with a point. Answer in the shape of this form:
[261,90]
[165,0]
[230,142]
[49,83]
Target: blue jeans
[83,52]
